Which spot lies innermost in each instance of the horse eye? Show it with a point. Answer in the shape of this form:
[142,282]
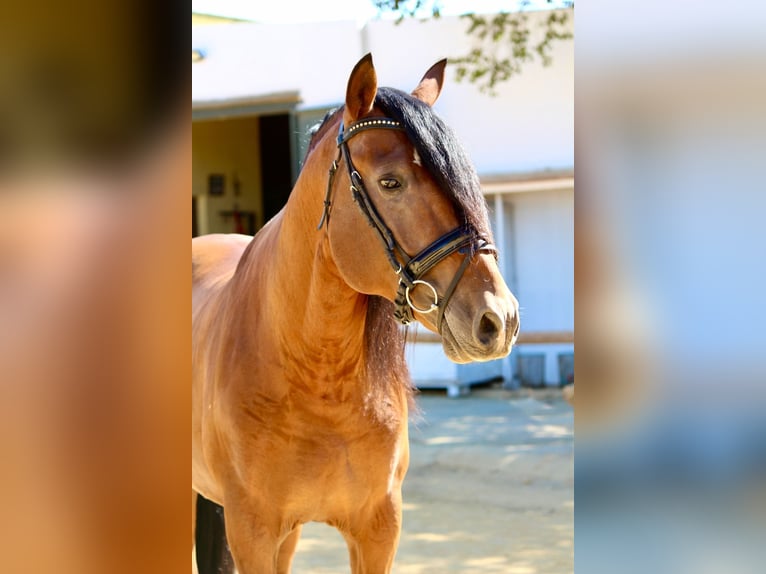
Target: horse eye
[390,183]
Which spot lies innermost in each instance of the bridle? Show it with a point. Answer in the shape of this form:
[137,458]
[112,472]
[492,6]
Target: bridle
[461,239]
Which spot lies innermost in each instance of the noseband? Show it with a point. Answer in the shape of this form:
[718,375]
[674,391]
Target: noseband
[461,239]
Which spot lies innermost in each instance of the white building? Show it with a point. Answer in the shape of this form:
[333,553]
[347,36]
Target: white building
[257,87]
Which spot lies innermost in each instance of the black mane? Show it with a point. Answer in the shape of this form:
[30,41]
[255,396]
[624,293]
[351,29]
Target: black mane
[441,154]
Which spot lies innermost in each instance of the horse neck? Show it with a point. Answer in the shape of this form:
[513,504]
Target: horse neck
[316,318]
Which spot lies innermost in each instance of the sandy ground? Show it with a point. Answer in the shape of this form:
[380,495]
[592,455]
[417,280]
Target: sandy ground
[489,490]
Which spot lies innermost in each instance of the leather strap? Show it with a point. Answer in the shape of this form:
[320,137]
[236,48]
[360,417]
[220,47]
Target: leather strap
[456,240]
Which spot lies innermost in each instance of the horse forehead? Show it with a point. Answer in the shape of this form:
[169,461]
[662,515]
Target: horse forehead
[389,147]
[385,145]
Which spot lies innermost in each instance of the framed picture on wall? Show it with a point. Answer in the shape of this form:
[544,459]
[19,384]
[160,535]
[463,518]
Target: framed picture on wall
[216,184]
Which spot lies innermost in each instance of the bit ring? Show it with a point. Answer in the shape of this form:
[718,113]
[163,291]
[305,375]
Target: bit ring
[434,305]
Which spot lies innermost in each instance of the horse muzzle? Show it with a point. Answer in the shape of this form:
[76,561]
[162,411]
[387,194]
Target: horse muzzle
[485,334]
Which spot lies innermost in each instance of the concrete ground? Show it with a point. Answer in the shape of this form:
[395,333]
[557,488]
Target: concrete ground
[489,490]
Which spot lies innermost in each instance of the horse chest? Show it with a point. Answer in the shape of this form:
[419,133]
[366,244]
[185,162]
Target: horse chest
[339,444]
[319,462]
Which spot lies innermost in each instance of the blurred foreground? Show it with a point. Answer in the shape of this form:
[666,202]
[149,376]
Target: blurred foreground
[95,152]
[671,373]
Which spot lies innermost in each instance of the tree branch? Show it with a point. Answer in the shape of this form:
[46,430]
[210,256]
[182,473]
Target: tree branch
[503,43]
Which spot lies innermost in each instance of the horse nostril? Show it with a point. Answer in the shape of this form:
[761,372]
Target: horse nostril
[488,328]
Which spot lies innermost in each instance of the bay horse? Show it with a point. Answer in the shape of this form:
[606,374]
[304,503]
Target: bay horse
[300,390]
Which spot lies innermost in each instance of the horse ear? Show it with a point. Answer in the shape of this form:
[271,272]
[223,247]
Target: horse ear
[361,90]
[430,86]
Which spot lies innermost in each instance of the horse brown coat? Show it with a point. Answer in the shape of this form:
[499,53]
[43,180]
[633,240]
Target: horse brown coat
[299,406]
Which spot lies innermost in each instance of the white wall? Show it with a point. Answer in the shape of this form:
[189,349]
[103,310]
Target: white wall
[540,257]
[244,60]
[542,230]
[528,126]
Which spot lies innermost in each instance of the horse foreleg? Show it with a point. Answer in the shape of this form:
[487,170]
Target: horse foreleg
[287,551]
[254,544]
[372,544]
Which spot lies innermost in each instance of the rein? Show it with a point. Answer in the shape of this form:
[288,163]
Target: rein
[461,239]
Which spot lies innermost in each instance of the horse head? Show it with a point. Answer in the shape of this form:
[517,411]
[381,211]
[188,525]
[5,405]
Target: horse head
[414,228]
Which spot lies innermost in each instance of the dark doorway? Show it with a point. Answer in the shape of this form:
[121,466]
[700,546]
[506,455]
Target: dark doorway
[276,163]
[195,226]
